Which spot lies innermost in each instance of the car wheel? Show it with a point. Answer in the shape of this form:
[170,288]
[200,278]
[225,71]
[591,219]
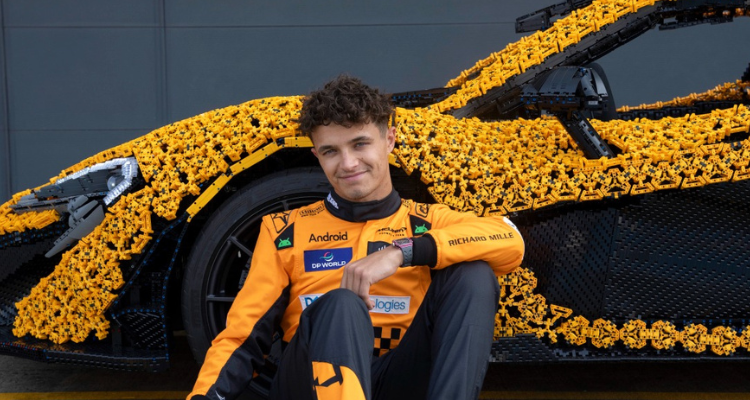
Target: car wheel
[220,258]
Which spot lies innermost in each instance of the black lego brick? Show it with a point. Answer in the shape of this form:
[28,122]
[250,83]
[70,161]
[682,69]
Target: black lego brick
[521,348]
[19,283]
[568,250]
[92,352]
[683,254]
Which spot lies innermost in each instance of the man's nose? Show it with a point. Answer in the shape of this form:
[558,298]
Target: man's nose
[349,161]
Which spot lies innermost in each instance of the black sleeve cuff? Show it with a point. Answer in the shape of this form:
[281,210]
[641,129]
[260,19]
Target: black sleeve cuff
[425,251]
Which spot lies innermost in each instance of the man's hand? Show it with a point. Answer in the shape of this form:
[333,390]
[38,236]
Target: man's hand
[360,274]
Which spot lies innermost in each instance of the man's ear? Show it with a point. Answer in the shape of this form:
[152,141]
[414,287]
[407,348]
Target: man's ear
[390,137]
[315,152]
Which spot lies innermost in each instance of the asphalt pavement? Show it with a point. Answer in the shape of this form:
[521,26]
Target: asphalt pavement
[22,379]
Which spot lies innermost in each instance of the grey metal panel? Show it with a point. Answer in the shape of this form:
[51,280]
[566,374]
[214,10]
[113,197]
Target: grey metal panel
[5,173]
[90,78]
[211,68]
[68,84]
[39,156]
[661,65]
[48,13]
[340,12]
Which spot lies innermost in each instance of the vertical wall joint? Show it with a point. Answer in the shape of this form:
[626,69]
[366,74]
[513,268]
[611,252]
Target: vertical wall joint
[5,175]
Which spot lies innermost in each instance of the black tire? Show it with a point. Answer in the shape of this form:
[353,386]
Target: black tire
[219,260]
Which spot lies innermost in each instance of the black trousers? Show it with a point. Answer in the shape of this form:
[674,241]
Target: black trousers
[443,355]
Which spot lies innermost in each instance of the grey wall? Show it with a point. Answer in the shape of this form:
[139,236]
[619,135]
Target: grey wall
[83,75]
[5,171]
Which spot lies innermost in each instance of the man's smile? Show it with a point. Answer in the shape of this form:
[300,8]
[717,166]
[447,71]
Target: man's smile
[352,176]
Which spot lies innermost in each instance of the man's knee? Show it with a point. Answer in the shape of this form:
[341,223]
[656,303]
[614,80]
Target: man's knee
[475,278]
[339,302]
[338,314]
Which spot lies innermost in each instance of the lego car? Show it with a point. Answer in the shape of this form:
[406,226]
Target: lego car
[633,217]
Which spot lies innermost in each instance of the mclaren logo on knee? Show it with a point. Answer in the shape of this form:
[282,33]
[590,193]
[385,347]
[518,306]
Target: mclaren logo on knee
[336,378]
[335,382]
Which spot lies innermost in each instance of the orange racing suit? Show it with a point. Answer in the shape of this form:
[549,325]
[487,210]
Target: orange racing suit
[299,256]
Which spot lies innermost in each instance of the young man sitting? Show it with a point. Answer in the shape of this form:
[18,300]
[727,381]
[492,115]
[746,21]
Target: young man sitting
[378,297]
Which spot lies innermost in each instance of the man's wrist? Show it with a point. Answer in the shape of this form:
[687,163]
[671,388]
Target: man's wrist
[406,245]
[425,251]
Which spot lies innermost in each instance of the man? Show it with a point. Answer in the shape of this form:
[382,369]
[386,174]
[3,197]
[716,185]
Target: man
[376,297]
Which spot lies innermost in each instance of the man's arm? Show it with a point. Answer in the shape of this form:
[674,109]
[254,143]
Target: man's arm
[239,350]
[455,237]
[359,275]
[461,236]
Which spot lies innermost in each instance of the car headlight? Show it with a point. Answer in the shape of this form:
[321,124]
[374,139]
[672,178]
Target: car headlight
[83,195]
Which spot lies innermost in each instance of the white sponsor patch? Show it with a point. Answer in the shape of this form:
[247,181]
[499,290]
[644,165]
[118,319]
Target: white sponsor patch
[383,304]
[390,304]
[307,299]
[332,201]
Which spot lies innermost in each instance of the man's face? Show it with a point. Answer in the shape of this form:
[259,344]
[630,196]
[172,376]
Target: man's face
[355,159]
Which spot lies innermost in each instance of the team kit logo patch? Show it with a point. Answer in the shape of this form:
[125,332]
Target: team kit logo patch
[327,259]
[280,220]
[423,209]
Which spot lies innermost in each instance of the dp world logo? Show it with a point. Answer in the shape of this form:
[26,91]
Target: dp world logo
[327,259]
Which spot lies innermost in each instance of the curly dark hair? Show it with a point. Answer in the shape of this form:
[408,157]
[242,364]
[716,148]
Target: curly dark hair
[345,101]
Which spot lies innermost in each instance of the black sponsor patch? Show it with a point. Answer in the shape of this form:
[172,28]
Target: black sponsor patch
[280,220]
[419,226]
[285,239]
[376,246]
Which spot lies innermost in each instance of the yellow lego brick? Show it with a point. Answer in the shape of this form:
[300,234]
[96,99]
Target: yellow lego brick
[254,158]
[299,141]
[208,194]
[630,334]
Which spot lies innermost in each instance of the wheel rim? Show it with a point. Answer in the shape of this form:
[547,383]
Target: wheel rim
[229,262]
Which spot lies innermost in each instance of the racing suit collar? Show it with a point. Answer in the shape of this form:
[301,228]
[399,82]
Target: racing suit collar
[360,212]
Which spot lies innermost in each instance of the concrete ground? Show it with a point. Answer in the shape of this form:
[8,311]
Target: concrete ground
[29,380]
